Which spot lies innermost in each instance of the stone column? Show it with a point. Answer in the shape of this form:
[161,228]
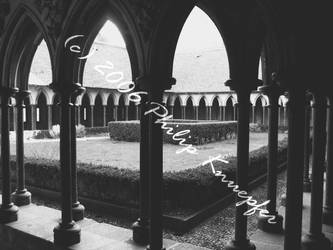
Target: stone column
[21,196]
[115,112]
[182,112]
[241,241]
[140,227]
[285,120]
[8,211]
[33,109]
[264,115]
[306,180]
[209,113]
[328,206]
[49,116]
[92,122]
[126,112]
[235,111]
[137,112]
[315,239]
[196,112]
[104,116]
[220,113]
[294,194]
[224,113]
[77,208]
[78,108]
[265,223]
[66,232]
[253,114]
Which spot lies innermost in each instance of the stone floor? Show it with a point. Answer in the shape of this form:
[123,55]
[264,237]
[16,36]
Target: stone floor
[266,241]
[34,231]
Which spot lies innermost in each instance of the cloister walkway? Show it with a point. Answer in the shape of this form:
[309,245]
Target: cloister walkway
[36,223]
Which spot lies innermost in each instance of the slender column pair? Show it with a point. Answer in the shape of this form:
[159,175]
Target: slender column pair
[66,232]
[21,196]
[8,211]
[328,206]
[241,241]
[77,208]
[307,146]
[265,223]
[315,239]
[141,226]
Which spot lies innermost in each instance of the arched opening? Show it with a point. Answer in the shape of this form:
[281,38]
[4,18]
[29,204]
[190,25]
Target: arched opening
[202,110]
[177,113]
[41,112]
[56,110]
[189,110]
[121,114]
[216,109]
[98,112]
[108,63]
[229,110]
[85,111]
[131,111]
[258,111]
[110,109]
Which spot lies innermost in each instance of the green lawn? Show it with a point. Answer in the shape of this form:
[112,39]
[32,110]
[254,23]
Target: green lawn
[126,154]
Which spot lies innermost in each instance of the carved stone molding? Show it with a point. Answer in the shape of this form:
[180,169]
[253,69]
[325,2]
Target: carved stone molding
[147,12]
[53,12]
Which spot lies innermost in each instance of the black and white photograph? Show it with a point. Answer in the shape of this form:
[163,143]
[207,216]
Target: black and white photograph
[165,125]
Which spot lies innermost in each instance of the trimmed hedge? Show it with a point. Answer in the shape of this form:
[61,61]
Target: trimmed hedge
[201,132]
[97,130]
[191,188]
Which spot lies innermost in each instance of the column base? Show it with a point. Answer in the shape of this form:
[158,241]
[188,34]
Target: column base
[140,232]
[307,186]
[283,199]
[78,211]
[266,226]
[315,242]
[67,235]
[327,216]
[8,213]
[240,245]
[21,198]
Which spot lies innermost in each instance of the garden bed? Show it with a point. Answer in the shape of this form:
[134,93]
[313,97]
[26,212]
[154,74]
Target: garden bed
[201,132]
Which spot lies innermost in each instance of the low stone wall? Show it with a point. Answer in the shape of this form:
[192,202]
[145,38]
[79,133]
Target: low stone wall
[200,132]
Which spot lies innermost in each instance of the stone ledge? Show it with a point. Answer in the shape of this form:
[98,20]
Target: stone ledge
[34,231]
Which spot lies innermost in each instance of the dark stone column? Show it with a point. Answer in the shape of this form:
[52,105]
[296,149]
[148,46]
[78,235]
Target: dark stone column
[285,115]
[235,111]
[92,122]
[253,113]
[224,114]
[264,115]
[241,242]
[8,211]
[328,206]
[77,208]
[49,116]
[273,92]
[104,116]
[294,195]
[141,227]
[21,196]
[171,110]
[196,112]
[306,180]
[33,109]
[67,232]
[315,239]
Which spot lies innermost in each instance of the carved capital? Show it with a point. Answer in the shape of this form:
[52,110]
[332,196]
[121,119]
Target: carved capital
[150,83]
